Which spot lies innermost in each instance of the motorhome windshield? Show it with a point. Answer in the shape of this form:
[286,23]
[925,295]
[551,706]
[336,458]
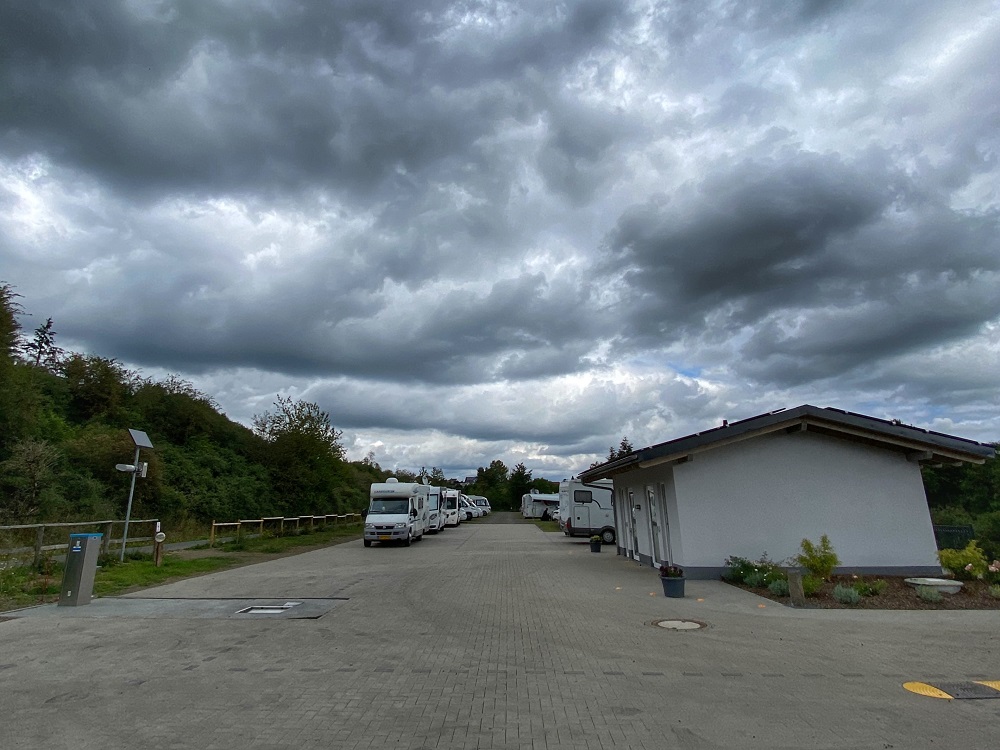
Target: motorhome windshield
[452,503]
[387,505]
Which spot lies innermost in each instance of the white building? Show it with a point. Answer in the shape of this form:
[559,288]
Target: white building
[764,484]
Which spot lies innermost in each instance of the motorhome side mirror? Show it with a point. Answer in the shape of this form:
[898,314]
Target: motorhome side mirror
[413,513]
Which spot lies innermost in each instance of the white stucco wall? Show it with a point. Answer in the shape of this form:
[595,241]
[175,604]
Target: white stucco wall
[766,494]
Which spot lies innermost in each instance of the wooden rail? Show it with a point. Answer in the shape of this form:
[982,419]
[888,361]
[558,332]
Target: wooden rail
[39,546]
[280,521]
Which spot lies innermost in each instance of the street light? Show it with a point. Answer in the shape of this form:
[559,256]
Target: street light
[140,440]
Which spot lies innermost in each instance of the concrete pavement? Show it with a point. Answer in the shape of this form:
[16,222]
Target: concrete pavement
[486,636]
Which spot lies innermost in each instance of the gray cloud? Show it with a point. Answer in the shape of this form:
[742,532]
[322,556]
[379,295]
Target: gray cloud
[515,229]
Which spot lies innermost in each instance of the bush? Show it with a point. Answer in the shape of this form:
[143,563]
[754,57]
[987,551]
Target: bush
[929,593]
[755,580]
[737,569]
[818,560]
[870,588]
[811,585]
[755,573]
[780,587]
[965,564]
[995,591]
[846,594]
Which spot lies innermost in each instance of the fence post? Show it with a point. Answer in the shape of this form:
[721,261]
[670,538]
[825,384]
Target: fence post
[211,535]
[39,538]
[106,541]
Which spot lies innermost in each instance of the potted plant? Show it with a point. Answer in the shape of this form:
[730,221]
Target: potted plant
[672,578]
[595,543]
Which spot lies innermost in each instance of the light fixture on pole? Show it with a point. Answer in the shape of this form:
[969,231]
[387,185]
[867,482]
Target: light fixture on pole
[141,440]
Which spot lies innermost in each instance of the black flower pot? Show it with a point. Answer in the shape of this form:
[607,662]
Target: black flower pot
[595,546]
[673,587]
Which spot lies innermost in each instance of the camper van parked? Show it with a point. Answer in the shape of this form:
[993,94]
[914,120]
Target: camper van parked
[397,512]
[585,509]
[537,505]
[452,507]
[480,502]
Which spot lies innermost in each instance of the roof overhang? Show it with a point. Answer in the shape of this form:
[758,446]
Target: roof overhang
[919,445]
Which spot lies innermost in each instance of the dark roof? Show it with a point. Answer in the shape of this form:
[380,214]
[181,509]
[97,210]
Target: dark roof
[919,444]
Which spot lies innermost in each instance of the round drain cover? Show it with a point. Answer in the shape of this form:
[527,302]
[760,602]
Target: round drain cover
[679,624]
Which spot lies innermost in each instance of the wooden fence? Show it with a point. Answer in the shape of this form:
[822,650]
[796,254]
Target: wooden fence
[278,523]
[106,527]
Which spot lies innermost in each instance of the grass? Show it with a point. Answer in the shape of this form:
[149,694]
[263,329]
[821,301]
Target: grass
[270,544]
[25,586]
[548,526]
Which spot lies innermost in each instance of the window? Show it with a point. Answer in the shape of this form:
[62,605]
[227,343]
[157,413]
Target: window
[583,496]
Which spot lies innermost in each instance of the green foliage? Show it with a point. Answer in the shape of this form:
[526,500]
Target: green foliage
[929,594]
[965,564]
[755,573]
[995,591]
[870,588]
[819,560]
[846,594]
[811,585]
[778,587]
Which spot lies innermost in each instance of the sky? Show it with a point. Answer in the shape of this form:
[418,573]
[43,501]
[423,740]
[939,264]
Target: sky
[515,230]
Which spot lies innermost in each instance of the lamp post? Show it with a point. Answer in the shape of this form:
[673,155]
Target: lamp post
[140,440]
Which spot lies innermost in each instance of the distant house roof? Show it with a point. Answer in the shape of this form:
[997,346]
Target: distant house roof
[469,480]
[920,445]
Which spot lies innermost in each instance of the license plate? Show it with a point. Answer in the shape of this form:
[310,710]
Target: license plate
[384,536]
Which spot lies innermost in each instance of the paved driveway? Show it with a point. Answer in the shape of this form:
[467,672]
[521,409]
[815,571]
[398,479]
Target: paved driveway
[486,636]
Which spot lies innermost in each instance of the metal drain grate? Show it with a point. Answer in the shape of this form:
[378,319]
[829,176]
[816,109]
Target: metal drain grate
[267,609]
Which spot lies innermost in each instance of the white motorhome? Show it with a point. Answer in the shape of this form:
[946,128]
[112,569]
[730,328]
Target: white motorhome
[538,505]
[452,507]
[585,508]
[397,512]
[480,502]
[435,510]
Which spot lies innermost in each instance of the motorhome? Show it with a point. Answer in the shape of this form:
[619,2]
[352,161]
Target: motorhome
[482,503]
[452,507]
[538,505]
[585,509]
[397,512]
[435,510]
[470,509]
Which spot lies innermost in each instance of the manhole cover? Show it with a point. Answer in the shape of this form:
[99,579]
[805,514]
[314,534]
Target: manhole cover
[679,624]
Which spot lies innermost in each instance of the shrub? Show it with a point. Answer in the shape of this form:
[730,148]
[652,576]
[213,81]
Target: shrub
[929,593]
[995,591]
[755,573]
[818,560]
[755,580]
[846,594]
[737,569]
[811,585]
[780,587]
[965,564]
[870,588]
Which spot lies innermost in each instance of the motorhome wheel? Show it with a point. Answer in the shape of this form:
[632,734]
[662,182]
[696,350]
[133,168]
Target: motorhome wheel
[368,542]
[608,536]
[406,542]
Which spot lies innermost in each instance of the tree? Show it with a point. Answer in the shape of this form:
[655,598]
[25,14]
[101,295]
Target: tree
[28,479]
[300,418]
[42,351]
[519,485]
[624,449]
[303,455]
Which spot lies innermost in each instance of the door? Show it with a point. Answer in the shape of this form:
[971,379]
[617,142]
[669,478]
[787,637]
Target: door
[664,514]
[581,510]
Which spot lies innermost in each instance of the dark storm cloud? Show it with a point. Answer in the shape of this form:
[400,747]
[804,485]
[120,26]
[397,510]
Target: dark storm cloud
[190,96]
[834,263]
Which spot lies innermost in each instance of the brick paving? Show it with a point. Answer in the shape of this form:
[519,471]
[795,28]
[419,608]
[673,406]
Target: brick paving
[491,635]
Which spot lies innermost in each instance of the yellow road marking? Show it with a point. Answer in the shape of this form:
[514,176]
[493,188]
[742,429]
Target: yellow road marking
[922,688]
